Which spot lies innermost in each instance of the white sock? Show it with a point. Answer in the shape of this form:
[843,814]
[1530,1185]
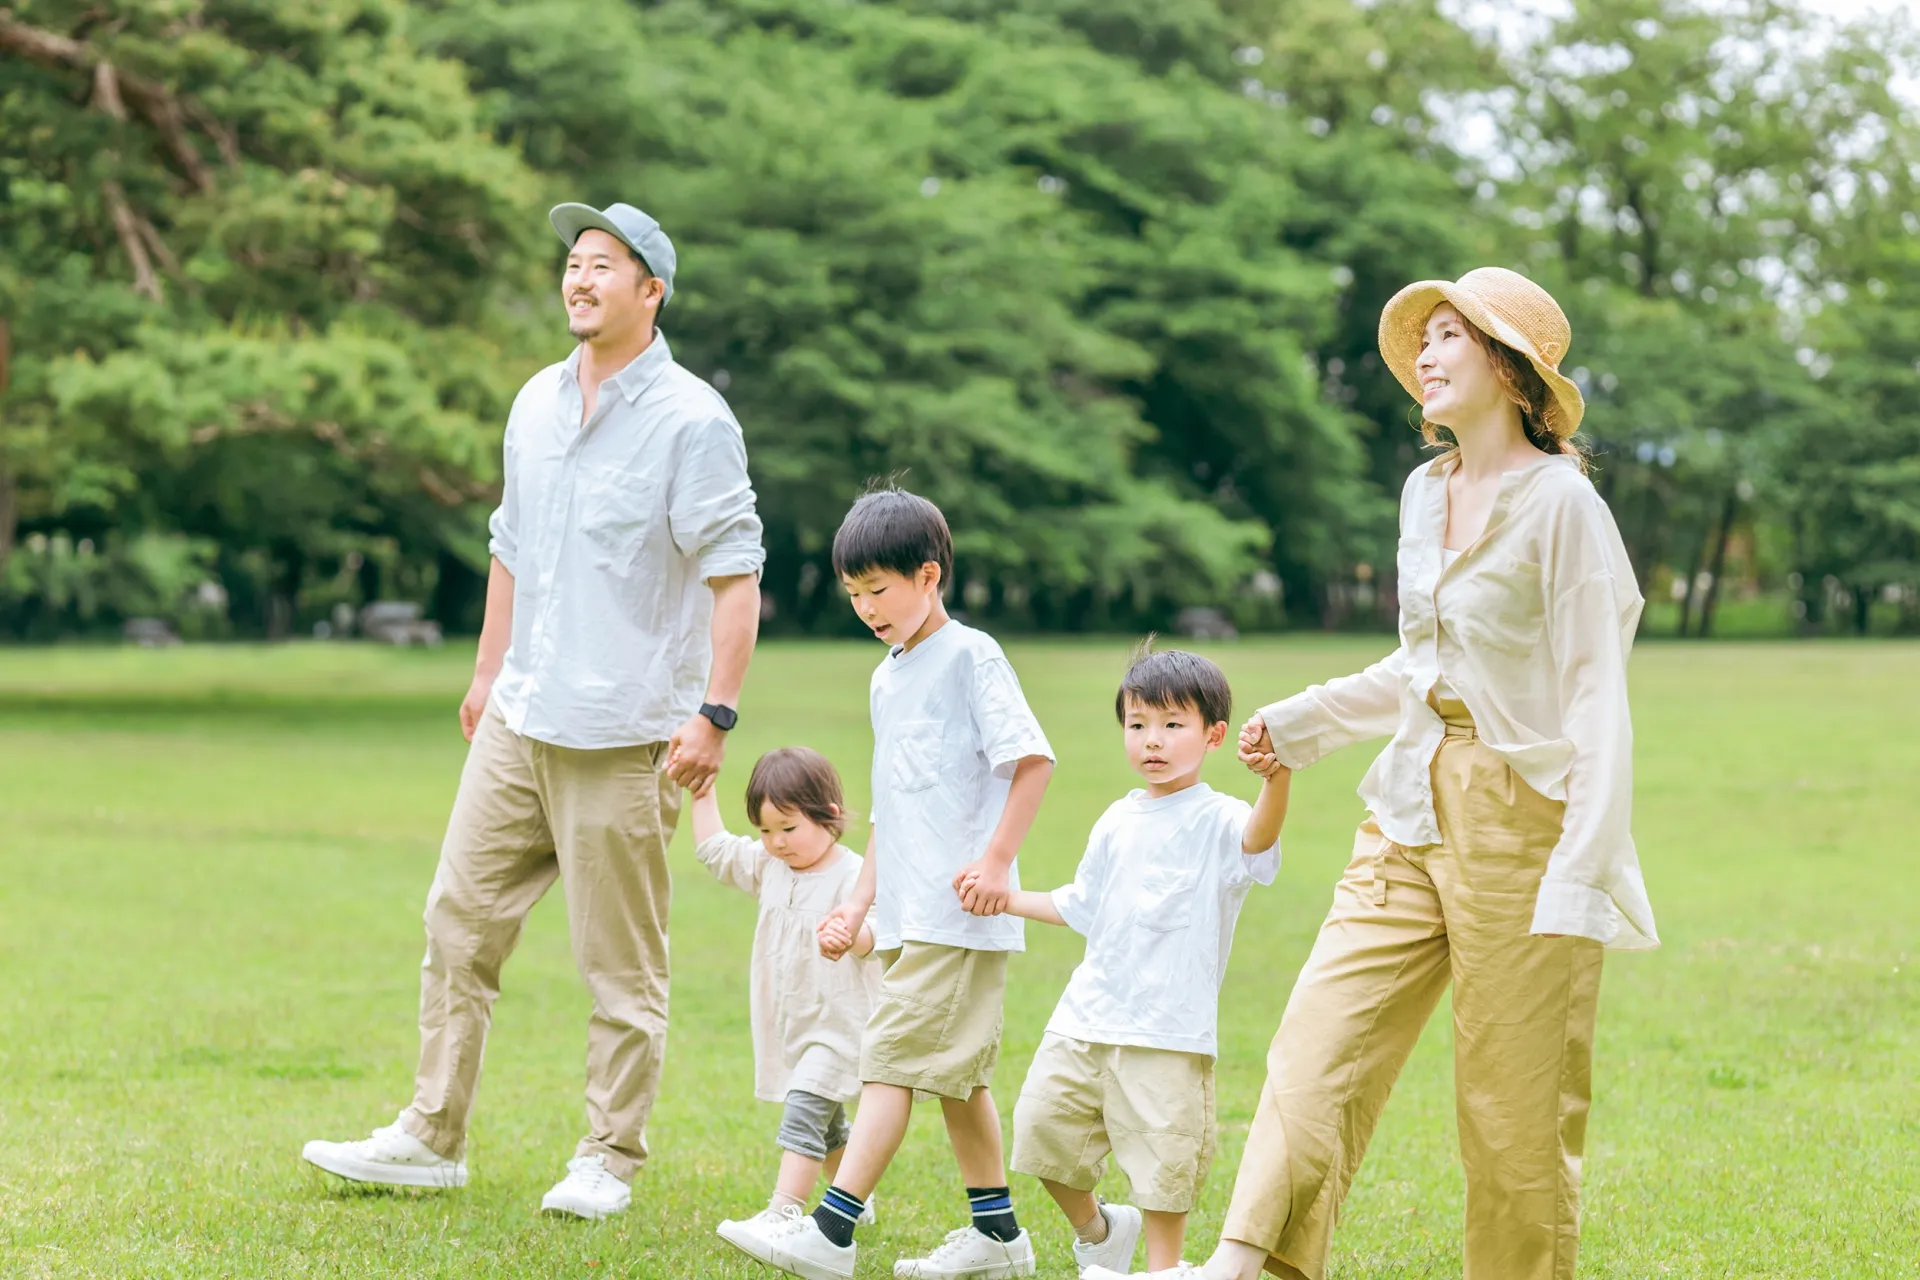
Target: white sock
[781,1200]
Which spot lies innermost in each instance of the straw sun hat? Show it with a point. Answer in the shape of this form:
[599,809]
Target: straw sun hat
[1502,304]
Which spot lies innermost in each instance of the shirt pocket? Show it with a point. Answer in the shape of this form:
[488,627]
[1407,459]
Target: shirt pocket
[918,756]
[619,512]
[1501,606]
[1163,898]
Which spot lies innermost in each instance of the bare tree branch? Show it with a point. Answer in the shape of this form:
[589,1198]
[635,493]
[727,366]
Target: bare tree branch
[127,223]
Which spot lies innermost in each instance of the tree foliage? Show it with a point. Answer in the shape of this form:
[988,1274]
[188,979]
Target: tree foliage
[1099,276]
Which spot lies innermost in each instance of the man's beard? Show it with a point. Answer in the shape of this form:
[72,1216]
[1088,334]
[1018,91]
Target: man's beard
[584,329]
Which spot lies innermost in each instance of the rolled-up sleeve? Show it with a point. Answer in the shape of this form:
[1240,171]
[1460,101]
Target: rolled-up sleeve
[1318,721]
[503,526]
[711,511]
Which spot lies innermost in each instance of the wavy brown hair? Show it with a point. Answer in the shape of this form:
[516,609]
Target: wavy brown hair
[1523,385]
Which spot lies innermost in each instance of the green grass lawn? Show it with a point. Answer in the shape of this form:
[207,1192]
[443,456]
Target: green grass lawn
[213,861]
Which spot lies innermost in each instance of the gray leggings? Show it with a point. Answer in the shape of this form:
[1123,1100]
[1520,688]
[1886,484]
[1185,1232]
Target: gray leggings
[812,1126]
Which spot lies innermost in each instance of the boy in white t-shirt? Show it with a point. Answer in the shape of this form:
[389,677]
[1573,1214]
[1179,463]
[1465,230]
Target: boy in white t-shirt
[959,767]
[1126,1064]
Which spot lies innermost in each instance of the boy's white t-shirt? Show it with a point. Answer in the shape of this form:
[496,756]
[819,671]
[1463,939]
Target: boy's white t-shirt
[949,725]
[1157,895]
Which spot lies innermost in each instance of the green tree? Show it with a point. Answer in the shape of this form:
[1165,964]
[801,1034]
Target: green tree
[252,255]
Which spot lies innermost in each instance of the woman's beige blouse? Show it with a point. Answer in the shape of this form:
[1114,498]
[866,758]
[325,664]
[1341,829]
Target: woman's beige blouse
[807,1011]
[1538,617]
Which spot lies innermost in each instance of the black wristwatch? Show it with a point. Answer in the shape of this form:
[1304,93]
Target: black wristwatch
[723,718]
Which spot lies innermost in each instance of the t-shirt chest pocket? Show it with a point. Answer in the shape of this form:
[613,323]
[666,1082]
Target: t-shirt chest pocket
[1501,604]
[1163,898]
[618,510]
[918,755]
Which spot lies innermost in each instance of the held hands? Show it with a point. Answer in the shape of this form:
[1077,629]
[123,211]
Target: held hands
[838,931]
[694,753]
[1256,748]
[982,886]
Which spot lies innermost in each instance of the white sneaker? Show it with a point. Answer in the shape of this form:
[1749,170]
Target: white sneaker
[789,1240]
[1185,1271]
[1115,1253]
[588,1191]
[966,1254]
[392,1157]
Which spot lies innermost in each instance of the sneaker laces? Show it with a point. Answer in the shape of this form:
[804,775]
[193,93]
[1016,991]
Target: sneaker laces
[954,1247]
[789,1219]
[591,1170]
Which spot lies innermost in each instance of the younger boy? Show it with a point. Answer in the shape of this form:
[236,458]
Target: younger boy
[959,767]
[1126,1064]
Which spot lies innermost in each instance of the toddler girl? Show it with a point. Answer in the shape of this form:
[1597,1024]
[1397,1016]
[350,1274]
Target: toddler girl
[808,1012]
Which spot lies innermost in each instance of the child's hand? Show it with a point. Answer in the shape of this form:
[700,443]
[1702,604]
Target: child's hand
[1263,763]
[837,932]
[982,886]
[705,789]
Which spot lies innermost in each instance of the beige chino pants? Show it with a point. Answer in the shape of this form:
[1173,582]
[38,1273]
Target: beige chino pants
[1404,923]
[526,813]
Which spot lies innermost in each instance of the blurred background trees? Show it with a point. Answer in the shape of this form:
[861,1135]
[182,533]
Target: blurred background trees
[1099,276]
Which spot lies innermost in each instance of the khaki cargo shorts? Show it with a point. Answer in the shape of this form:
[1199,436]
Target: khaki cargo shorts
[1152,1108]
[936,1027]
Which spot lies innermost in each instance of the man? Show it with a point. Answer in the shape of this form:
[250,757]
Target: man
[623,594]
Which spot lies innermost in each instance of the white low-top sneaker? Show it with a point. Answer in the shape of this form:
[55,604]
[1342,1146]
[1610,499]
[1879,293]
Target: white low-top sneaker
[391,1157]
[588,1191]
[789,1240]
[966,1254]
[1115,1253]
[1185,1271]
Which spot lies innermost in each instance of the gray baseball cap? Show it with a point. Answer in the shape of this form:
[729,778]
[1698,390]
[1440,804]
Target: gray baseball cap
[638,231]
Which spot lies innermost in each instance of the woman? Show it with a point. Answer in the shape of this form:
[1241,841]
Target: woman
[1496,854]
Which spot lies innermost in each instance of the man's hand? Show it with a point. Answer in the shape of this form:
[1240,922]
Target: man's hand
[839,929]
[474,705]
[982,886]
[694,753]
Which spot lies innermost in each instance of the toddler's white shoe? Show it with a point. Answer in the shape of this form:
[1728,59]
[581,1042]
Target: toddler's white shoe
[789,1240]
[588,1191]
[1115,1253]
[1185,1271]
[966,1254]
[391,1157]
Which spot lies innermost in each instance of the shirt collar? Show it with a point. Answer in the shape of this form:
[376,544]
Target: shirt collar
[640,371]
[1144,799]
[1514,485]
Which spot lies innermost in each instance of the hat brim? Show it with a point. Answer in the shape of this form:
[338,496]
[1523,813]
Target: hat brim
[1404,320]
[569,220]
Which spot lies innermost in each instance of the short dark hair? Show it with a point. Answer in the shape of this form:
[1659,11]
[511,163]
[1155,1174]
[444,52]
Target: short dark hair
[801,779]
[1174,678]
[892,529]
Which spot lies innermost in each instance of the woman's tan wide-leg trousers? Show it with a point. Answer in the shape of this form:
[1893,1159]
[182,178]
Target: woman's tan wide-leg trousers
[1404,923]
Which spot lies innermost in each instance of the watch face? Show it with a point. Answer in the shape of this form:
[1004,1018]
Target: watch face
[722,717]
